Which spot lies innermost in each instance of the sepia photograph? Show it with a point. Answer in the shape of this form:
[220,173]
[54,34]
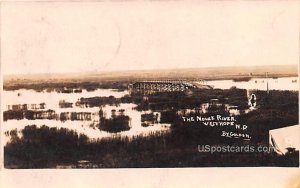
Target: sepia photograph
[99,85]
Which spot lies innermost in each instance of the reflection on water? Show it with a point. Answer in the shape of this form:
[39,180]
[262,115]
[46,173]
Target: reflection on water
[52,99]
[212,107]
[57,111]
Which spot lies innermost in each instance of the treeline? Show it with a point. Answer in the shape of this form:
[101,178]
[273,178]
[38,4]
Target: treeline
[29,114]
[115,124]
[187,100]
[61,86]
[286,101]
[43,147]
[98,101]
[48,147]
[46,114]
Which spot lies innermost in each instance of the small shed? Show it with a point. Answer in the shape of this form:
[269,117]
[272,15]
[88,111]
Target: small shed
[285,139]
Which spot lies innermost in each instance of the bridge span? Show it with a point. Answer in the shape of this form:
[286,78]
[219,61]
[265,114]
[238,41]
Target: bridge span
[167,85]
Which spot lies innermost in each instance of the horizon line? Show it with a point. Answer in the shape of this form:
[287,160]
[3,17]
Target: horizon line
[150,69]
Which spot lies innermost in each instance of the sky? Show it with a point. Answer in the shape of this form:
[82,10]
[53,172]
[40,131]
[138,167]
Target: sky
[93,37]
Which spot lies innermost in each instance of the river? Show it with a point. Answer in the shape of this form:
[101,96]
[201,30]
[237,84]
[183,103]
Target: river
[52,99]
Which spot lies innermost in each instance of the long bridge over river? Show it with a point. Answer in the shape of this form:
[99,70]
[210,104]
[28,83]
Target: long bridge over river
[167,85]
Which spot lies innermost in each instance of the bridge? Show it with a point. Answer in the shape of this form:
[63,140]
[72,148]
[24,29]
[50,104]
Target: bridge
[167,85]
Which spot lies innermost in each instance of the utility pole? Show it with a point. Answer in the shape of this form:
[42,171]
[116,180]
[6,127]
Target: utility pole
[266,74]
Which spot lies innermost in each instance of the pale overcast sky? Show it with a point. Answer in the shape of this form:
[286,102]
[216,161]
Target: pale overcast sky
[80,37]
